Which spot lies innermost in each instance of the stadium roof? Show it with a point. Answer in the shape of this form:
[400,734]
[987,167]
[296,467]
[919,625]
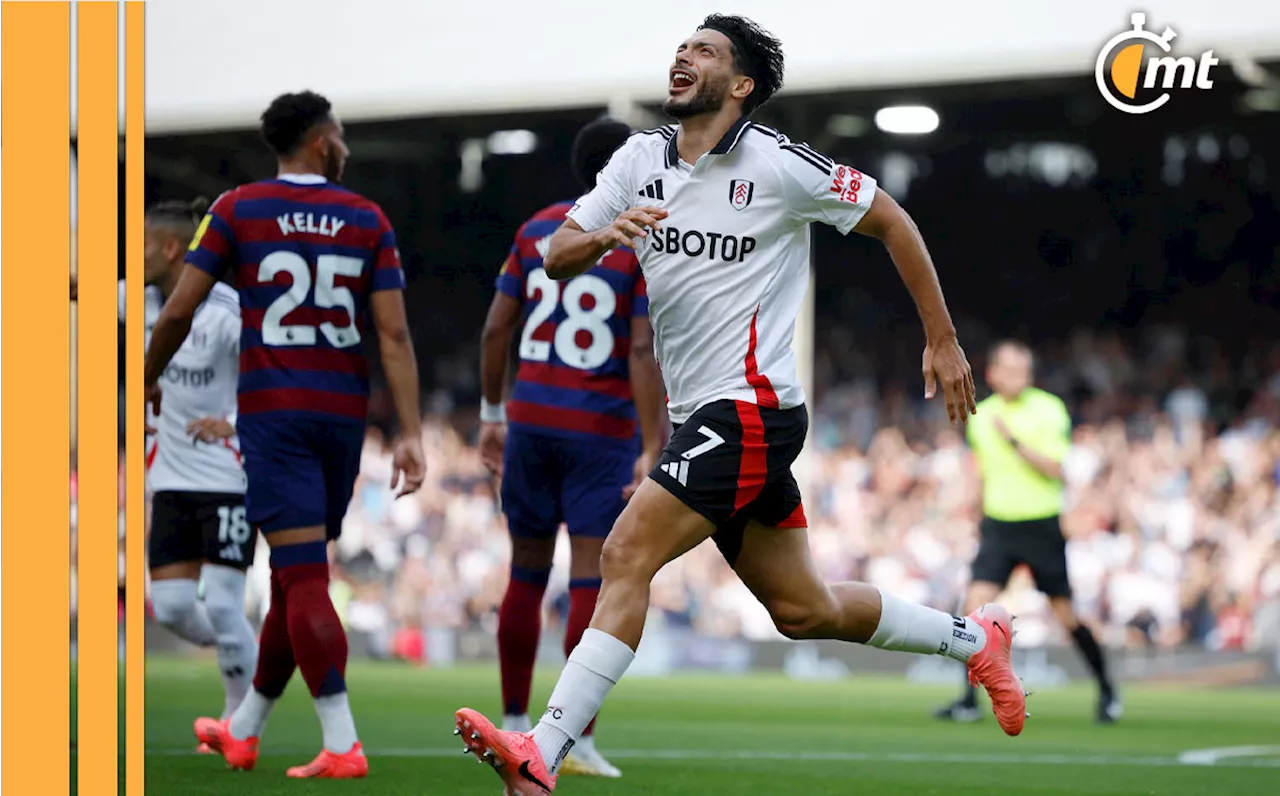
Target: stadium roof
[397,58]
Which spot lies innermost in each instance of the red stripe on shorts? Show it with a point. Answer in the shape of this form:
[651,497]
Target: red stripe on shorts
[795,519]
[753,470]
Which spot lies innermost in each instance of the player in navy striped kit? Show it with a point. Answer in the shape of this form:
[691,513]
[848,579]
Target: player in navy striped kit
[583,426]
[310,259]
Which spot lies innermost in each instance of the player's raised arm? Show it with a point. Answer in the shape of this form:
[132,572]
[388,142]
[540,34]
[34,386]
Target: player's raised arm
[573,250]
[600,221]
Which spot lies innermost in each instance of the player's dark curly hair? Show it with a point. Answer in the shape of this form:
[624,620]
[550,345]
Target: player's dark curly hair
[756,54]
[593,146]
[180,213]
[287,120]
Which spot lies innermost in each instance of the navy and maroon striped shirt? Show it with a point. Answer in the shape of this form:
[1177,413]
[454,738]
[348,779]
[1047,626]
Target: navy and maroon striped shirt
[575,343]
[305,255]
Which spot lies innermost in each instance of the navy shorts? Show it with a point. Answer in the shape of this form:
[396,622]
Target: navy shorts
[301,471]
[547,480]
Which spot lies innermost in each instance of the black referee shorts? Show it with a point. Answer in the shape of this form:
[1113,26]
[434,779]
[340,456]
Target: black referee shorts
[1037,543]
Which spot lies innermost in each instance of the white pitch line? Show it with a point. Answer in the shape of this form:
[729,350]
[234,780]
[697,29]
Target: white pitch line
[1238,761]
[1210,757]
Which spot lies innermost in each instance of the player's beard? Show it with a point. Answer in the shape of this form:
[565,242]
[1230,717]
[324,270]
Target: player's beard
[709,98]
[154,269]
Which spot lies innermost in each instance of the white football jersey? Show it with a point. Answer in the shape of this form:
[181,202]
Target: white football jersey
[728,270]
[199,382]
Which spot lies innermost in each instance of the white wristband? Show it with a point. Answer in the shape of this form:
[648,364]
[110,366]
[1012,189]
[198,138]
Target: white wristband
[492,413]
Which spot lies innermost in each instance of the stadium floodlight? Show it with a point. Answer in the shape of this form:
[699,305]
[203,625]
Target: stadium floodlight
[907,119]
[512,142]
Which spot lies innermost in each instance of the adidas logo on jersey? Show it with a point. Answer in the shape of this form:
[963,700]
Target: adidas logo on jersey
[653,190]
[231,553]
[677,470]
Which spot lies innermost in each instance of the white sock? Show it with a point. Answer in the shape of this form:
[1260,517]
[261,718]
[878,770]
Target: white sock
[336,722]
[178,608]
[250,718]
[909,627]
[517,723]
[594,668]
[237,644]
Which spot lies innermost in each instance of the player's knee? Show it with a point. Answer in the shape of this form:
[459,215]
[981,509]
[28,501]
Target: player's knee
[799,621]
[224,589]
[623,558]
[224,612]
[175,611]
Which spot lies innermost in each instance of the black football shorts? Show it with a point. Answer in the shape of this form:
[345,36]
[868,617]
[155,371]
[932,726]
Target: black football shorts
[1037,543]
[200,526]
[731,463]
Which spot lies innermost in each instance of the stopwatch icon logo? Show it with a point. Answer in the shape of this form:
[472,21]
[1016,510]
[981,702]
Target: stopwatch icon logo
[1123,53]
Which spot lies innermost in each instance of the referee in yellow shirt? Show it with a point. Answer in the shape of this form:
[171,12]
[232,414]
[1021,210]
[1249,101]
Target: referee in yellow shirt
[1019,437]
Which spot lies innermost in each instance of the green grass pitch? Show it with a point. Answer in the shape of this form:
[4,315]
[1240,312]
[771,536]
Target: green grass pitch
[712,734]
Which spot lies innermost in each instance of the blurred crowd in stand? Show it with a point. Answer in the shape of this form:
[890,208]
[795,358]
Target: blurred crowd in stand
[1172,515]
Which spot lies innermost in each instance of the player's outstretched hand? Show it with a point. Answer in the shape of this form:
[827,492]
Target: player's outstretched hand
[645,463]
[409,462]
[153,395]
[633,224]
[945,365]
[493,441]
[211,429]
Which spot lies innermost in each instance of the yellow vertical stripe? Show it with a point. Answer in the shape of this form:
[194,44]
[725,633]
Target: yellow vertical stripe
[135,617]
[36,339]
[97,164]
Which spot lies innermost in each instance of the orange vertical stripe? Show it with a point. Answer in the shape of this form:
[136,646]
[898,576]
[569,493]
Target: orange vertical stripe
[35,333]
[135,595]
[97,395]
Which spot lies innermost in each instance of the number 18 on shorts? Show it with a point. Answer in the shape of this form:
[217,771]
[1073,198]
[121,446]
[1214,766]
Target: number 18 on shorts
[200,526]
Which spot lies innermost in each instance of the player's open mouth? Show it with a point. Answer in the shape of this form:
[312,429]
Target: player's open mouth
[681,81]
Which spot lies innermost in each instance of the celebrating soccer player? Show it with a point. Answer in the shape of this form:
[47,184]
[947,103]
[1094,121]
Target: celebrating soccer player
[718,209]
[587,375]
[308,258]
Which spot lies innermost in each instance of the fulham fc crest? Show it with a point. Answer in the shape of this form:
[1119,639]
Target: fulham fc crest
[740,193]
